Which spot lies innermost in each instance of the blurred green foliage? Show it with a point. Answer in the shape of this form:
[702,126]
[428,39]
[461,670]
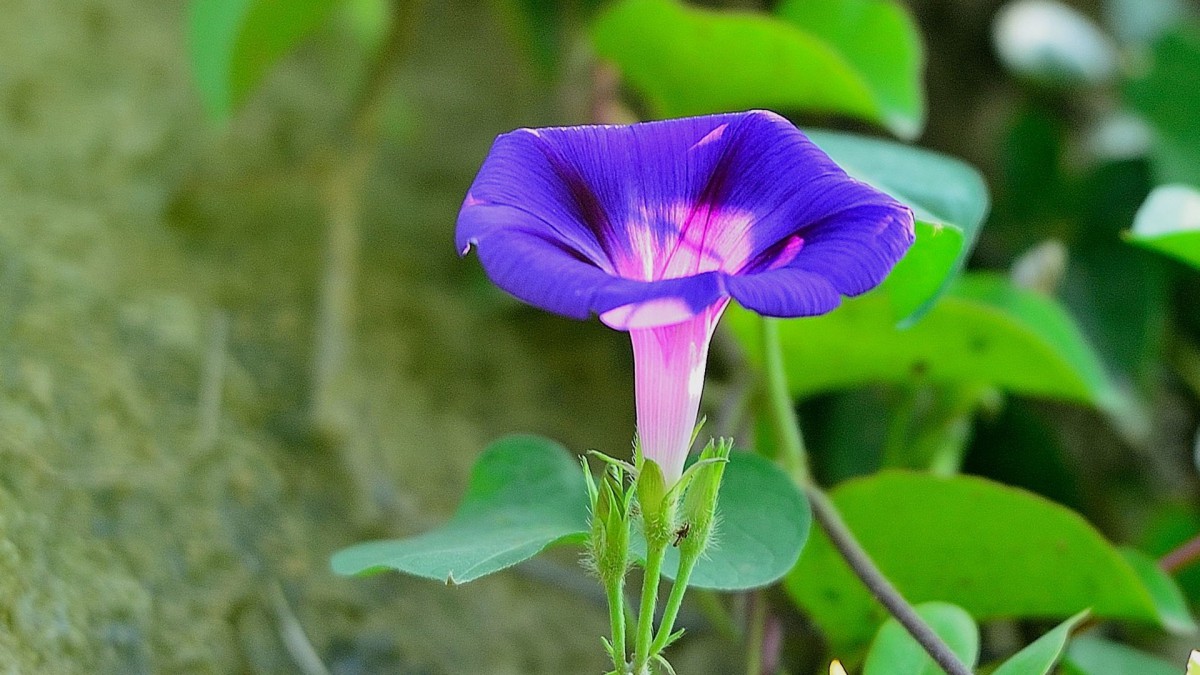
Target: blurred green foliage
[132,542]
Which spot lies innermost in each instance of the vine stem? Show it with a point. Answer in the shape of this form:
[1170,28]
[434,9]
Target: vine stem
[795,459]
[1182,556]
[687,563]
[883,590]
[787,428]
[656,551]
[616,616]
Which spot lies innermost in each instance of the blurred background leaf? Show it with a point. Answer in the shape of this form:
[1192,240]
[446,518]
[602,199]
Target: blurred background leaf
[690,61]
[1169,222]
[1090,655]
[233,43]
[1043,653]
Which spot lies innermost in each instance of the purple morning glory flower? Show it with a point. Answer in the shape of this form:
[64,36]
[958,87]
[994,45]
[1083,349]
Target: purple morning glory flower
[655,226]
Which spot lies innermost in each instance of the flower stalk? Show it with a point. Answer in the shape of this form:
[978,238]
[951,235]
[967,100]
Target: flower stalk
[698,519]
[658,517]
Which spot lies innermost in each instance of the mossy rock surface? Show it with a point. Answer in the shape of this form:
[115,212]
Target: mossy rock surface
[148,526]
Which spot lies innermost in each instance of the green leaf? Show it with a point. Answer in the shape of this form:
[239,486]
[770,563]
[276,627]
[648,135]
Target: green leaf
[763,523]
[1041,655]
[234,42]
[881,42]
[1164,91]
[525,493]
[1168,598]
[984,331]
[996,551]
[691,61]
[1094,656]
[948,197]
[894,650]
[1169,222]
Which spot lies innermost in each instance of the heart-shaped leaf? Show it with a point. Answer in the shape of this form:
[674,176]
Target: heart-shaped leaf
[895,651]
[764,523]
[1041,655]
[692,61]
[881,41]
[999,552]
[525,493]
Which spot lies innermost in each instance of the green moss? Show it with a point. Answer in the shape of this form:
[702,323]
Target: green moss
[132,542]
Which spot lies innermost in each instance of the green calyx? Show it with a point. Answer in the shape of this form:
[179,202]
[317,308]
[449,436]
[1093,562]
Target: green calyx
[698,512]
[657,503]
[608,541]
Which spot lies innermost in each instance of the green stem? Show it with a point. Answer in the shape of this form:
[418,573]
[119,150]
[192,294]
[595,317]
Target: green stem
[687,563]
[756,634]
[900,427]
[792,454]
[787,428]
[616,616]
[656,551]
[712,608]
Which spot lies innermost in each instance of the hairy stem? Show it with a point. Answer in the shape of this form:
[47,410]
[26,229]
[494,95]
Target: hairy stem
[656,551]
[616,616]
[687,563]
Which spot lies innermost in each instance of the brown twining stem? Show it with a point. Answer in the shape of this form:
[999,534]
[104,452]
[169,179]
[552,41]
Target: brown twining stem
[1182,556]
[883,590]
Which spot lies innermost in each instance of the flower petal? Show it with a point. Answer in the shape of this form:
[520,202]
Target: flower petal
[785,292]
[531,264]
[674,215]
[848,253]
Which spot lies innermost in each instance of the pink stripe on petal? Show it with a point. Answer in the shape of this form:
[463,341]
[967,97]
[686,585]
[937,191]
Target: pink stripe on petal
[669,364]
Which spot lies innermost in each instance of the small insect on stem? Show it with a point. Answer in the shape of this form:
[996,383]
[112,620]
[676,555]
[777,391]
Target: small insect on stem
[681,534]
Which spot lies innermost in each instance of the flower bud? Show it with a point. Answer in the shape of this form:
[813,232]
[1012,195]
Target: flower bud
[610,528]
[699,509]
[657,504]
